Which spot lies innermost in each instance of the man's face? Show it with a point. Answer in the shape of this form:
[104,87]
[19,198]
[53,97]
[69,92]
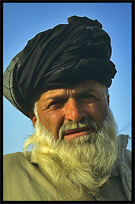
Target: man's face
[59,106]
[75,139]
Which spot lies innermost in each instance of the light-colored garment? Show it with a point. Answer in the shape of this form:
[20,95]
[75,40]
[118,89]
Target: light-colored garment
[119,187]
[22,180]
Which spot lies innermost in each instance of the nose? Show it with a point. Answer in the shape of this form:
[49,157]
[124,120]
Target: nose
[72,111]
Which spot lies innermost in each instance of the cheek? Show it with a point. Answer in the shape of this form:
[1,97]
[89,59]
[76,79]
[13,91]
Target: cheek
[97,112]
[53,121]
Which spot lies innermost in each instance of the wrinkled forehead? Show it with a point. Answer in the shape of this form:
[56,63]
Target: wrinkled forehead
[84,87]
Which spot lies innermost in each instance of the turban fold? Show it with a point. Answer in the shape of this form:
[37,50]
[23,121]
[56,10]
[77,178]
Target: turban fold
[58,58]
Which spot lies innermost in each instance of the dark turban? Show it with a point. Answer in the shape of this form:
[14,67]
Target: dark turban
[59,58]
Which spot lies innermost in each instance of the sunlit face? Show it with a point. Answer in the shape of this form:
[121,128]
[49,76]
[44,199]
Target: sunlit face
[59,106]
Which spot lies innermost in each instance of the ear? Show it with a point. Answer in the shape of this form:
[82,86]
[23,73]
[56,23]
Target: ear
[108,99]
[32,117]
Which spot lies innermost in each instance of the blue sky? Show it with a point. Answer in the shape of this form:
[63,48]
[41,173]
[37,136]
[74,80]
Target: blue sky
[22,21]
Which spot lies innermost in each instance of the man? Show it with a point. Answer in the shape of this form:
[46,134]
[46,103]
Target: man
[60,80]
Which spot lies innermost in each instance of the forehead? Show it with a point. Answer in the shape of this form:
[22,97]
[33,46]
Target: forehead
[86,86]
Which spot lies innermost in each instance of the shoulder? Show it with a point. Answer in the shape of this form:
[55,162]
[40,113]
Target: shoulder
[125,155]
[128,156]
[15,164]
[23,181]
[13,156]
[124,164]
[14,159]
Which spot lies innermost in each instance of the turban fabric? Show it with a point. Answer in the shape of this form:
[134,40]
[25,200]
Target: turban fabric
[58,58]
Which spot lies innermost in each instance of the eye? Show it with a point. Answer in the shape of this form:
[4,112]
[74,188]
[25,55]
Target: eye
[89,98]
[56,104]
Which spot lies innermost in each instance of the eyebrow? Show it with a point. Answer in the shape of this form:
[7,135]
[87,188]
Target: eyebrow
[56,97]
[64,96]
[86,91]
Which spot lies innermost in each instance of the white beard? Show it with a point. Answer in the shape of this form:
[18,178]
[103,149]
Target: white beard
[78,168]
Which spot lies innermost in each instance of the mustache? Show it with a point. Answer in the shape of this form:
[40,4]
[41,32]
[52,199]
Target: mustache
[70,125]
